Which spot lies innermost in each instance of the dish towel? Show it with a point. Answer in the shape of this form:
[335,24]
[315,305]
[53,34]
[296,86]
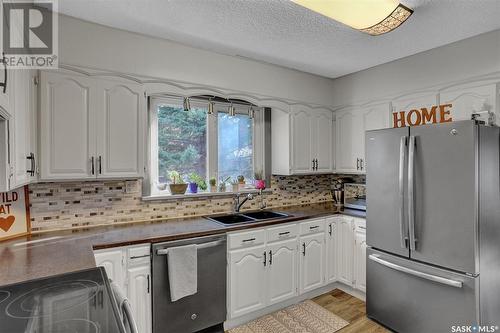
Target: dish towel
[182,271]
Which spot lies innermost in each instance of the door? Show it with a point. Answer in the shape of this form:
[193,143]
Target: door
[139,295]
[360,261]
[120,134]
[331,250]
[411,297]
[282,273]
[67,127]
[301,140]
[323,140]
[445,195]
[247,280]
[312,267]
[346,250]
[112,261]
[386,154]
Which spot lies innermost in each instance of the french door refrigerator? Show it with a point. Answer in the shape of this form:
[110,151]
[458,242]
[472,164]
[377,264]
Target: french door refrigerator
[433,227]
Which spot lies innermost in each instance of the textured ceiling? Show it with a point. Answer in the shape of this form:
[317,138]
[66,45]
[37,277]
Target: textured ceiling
[283,33]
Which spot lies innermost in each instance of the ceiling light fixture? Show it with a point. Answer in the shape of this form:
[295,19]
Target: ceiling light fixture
[186,104]
[375,17]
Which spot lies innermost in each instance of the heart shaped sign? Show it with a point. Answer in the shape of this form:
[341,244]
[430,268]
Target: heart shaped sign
[6,223]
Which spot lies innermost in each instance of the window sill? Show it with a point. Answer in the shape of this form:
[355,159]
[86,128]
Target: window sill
[168,196]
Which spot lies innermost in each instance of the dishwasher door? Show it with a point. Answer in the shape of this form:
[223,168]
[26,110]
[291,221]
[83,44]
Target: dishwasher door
[206,308]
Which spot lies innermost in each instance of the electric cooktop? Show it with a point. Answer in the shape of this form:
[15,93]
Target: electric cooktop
[80,302]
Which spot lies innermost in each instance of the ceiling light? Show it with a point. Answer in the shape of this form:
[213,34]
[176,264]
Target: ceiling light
[231,110]
[375,17]
[210,107]
[186,104]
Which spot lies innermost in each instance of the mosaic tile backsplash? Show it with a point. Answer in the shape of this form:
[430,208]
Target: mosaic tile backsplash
[82,204]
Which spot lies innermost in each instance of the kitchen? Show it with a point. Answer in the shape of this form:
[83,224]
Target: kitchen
[180,173]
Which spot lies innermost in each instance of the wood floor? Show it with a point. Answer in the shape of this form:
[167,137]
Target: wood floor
[351,309]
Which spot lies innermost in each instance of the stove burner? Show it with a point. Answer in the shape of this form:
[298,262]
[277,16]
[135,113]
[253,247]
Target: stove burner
[4,294]
[41,302]
[71,326]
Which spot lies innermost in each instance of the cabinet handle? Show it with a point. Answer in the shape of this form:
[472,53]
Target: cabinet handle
[31,157]
[357,164]
[100,164]
[361,163]
[4,84]
[313,163]
[304,249]
[270,258]
[92,167]
[148,283]
[330,229]
[284,233]
[265,258]
[314,227]
[248,240]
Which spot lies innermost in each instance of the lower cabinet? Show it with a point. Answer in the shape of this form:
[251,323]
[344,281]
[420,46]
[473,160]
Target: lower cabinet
[360,260]
[332,249]
[130,269]
[282,280]
[346,250]
[312,262]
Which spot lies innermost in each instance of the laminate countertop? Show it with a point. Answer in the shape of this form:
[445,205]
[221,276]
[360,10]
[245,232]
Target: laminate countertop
[42,255]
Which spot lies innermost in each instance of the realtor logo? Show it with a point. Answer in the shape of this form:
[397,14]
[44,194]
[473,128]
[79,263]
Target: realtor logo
[30,34]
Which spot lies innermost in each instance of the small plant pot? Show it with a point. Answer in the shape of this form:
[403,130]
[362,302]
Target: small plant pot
[235,187]
[193,188]
[259,184]
[222,187]
[178,188]
[212,188]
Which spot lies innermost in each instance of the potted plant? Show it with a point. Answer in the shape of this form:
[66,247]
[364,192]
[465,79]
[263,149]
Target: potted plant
[178,186]
[235,185]
[196,181]
[222,184]
[212,182]
[241,182]
[259,182]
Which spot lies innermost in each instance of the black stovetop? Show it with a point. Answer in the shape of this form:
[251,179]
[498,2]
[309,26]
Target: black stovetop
[79,302]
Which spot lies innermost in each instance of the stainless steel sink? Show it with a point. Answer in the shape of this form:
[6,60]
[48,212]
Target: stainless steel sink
[257,216]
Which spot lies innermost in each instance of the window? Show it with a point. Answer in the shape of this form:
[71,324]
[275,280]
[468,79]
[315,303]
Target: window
[193,142]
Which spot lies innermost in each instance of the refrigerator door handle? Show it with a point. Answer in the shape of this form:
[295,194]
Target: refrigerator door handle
[402,158]
[411,193]
[430,277]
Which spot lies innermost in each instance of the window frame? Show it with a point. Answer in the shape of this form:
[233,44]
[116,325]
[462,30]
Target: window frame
[211,141]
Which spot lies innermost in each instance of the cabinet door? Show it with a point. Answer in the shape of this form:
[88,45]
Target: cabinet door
[67,127]
[301,140]
[22,128]
[312,262]
[112,261]
[139,295]
[349,141]
[331,251]
[282,274]
[346,249]
[360,261]
[323,140]
[120,130]
[374,117]
[247,280]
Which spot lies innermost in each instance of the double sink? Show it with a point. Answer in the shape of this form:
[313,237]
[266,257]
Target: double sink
[237,218]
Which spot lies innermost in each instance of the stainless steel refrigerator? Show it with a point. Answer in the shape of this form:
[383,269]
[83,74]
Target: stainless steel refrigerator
[433,227]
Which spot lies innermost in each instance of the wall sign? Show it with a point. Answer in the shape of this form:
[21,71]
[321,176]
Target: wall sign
[425,115]
[14,213]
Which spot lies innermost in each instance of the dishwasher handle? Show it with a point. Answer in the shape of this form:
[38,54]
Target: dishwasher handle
[124,307]
[162,252]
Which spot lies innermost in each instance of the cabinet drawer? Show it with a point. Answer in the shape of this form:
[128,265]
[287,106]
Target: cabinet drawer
[137,252]
[360,225]
[313,226]
[282,232]
[246,239]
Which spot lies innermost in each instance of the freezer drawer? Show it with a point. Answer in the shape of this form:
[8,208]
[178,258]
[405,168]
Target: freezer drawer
[410,297]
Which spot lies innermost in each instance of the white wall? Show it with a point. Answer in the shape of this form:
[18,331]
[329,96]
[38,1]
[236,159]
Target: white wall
[90,45]
[462,60]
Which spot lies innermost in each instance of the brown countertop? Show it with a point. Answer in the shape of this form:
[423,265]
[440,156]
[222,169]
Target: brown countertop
[66,251]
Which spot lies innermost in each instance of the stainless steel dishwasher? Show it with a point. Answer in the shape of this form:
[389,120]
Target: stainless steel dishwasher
[204,311]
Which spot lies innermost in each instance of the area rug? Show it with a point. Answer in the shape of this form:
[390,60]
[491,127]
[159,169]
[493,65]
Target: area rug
[305,317]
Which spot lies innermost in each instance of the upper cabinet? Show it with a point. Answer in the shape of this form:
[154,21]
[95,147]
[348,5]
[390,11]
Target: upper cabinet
[302,141]
[90,128]
[351,125]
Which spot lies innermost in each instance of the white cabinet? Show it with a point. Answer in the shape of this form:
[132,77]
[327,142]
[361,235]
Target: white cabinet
[130,269]
[90,128]
[332,247]
[360,261]
[282,277]
[22,128]
[302,140]
[247,280]
[312,262]
[346,250]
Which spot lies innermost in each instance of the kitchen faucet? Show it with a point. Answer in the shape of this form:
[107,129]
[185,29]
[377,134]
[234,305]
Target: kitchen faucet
[238,204]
